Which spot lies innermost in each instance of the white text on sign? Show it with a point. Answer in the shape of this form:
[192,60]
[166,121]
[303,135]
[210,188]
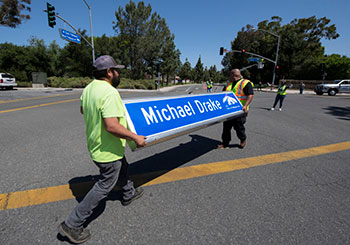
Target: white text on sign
[156,115]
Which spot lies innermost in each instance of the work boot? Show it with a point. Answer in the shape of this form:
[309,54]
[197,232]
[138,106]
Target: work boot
[243,144]
[75,235]
[137,195]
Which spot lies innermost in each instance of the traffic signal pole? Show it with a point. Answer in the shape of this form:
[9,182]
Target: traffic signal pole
[92,36]
[274,68]
[76,31]
[52,22]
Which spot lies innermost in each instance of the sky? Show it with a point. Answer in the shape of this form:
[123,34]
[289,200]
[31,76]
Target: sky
[200,27]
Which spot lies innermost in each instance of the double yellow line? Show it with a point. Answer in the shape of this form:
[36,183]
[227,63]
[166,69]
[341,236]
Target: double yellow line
[34,98]
[26,198]
[40,105]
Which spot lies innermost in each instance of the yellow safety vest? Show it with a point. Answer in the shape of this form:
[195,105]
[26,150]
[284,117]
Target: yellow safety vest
[238,90]
[282,90]
[210,84]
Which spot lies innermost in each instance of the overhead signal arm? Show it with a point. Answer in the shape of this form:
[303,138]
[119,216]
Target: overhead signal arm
[76,31]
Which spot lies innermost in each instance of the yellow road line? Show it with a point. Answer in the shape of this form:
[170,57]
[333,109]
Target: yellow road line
[26,198]
[34,98]
[40,105]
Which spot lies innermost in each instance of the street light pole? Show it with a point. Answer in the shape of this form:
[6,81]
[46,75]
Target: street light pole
[278,46]
[92,35]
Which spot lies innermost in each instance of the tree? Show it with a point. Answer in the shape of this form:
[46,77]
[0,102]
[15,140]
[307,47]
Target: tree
[145,37]
[54,52]
[157,31]
[185,70]
[37,57]
[11,12]
[215,75]
[132,25]
[199,71]
[13,60]
[206,75]
[300,51]
[170,58]
[336,67]
[76,59]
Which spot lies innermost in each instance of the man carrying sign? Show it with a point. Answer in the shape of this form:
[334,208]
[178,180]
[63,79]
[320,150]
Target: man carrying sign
[243,89]
[106,131]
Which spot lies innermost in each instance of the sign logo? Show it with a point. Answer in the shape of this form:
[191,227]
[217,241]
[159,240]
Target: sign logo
[230,100]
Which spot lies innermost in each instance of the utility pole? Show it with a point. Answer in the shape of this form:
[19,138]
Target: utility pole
[274,68]
[278,46]
[92,35]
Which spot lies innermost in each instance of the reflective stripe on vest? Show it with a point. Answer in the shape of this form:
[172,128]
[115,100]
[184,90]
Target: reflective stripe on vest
[238,90]
[282,90]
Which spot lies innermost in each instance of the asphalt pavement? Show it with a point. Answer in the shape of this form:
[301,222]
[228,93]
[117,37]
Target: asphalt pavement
[290,185]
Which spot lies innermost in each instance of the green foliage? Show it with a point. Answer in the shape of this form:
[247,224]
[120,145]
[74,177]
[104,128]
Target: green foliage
[11,12]
[76,59]
[185,71]
[198,71]
[66,82]
[300,51]
[337,67]
[24,84]
[137,84]
[146,41]
[81,82]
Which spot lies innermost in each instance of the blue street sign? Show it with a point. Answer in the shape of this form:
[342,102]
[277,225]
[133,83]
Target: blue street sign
[160,119]
[69,36]
[254,59]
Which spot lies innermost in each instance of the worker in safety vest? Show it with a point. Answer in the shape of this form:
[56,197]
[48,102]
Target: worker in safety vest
[209,86]
[243,89]
[281,94]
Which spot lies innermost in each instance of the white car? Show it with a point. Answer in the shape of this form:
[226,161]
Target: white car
[7,81]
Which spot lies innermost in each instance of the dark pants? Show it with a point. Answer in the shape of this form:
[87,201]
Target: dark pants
[109,174]
[279,98]
[238,125]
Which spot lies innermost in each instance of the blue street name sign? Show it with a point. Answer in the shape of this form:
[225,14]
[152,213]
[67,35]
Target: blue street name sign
[254,59]
[161,119]
[69,36]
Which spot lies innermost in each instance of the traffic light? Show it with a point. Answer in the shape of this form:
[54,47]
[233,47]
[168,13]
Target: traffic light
[51,15]
[277,67]
[221,50]
[243,51]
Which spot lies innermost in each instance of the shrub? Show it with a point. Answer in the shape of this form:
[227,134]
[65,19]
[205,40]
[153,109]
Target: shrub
[24,84]
[81,82]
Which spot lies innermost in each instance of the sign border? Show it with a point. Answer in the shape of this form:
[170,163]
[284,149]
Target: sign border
[175,132]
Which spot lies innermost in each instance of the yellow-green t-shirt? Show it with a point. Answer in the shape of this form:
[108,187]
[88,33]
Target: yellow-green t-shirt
[101,100]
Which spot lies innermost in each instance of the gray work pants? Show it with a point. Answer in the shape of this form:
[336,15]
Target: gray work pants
[109,174]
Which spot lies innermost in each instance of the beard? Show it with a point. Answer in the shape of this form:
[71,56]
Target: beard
[115,80]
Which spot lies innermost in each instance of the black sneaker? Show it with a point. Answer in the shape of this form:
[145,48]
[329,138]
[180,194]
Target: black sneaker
[137,195]
[78,235]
